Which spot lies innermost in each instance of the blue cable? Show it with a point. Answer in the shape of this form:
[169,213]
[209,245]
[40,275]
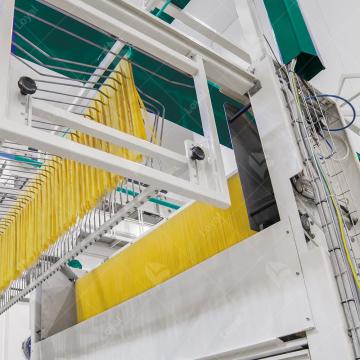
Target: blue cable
[330,147]
[340,98]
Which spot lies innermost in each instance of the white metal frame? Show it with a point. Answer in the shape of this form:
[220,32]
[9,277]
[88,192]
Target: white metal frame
[195,60]
[328,339]
[117,165]
[102,132]
[355,128]
[203,29]
[219,68]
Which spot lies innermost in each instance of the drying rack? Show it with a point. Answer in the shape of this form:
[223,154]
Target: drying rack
[54,113]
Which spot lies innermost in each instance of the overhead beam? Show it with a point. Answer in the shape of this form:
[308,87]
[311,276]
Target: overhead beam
[64,147]
[206,31]
[9,190]
[77,122]
[209,127]
[159,39]
[113,25]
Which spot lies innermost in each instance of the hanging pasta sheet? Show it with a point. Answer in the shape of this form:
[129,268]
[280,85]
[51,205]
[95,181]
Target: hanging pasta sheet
[65,190]
[190,237]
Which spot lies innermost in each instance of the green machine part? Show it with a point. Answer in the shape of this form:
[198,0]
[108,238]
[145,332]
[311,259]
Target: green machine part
[75,264]
[160,13]
[293,37]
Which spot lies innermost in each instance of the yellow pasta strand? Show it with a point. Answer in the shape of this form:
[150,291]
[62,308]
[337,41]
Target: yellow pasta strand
[190,237]
[66,190]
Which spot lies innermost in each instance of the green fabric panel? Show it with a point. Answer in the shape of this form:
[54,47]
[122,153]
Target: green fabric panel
[180,3]
[293,37]
[57,43]
[180,102]
[164,16]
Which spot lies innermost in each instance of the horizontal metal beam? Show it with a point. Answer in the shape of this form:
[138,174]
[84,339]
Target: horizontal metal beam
[77,122]
[345,77]
[142,28]
[108,22]
[9,191]
[236,78]
[63,147]
[206,31]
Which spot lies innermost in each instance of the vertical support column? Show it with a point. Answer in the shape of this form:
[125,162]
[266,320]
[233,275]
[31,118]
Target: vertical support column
[326,340]
[6,28]
[209,126]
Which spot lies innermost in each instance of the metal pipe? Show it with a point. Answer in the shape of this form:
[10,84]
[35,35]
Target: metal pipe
[71,62]
[73,96]
[65,103]
[26,162]
[31,150]
[157,201]
[21,159]
[71,84]
[21,178]
[162,116]
[105,49]
[242,111]
[37,61]
[10,206]
[25,172]
[13,189]
[22,186]
[26,151]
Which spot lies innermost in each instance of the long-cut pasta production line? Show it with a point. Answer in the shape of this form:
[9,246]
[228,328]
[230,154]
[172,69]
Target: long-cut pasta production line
[174,184]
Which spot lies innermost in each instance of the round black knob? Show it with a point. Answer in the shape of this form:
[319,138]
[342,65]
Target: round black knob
[27,85]
[197,153]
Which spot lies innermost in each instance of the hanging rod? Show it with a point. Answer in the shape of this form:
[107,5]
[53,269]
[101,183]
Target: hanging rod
[105,49]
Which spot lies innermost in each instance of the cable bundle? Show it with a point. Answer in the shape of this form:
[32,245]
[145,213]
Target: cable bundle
[66,190]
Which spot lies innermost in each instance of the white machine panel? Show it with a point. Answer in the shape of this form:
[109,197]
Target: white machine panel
[250,293]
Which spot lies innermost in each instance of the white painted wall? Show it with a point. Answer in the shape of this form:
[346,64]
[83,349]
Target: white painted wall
[214,307]
[334,26]
[14,329]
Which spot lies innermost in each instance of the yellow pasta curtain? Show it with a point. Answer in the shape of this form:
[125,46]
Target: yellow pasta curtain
[190,237]
[65,190]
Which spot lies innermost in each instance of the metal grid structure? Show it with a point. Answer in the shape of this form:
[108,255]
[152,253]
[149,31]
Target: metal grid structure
[50,121]
[126,203]
[324,186]
[191,58]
